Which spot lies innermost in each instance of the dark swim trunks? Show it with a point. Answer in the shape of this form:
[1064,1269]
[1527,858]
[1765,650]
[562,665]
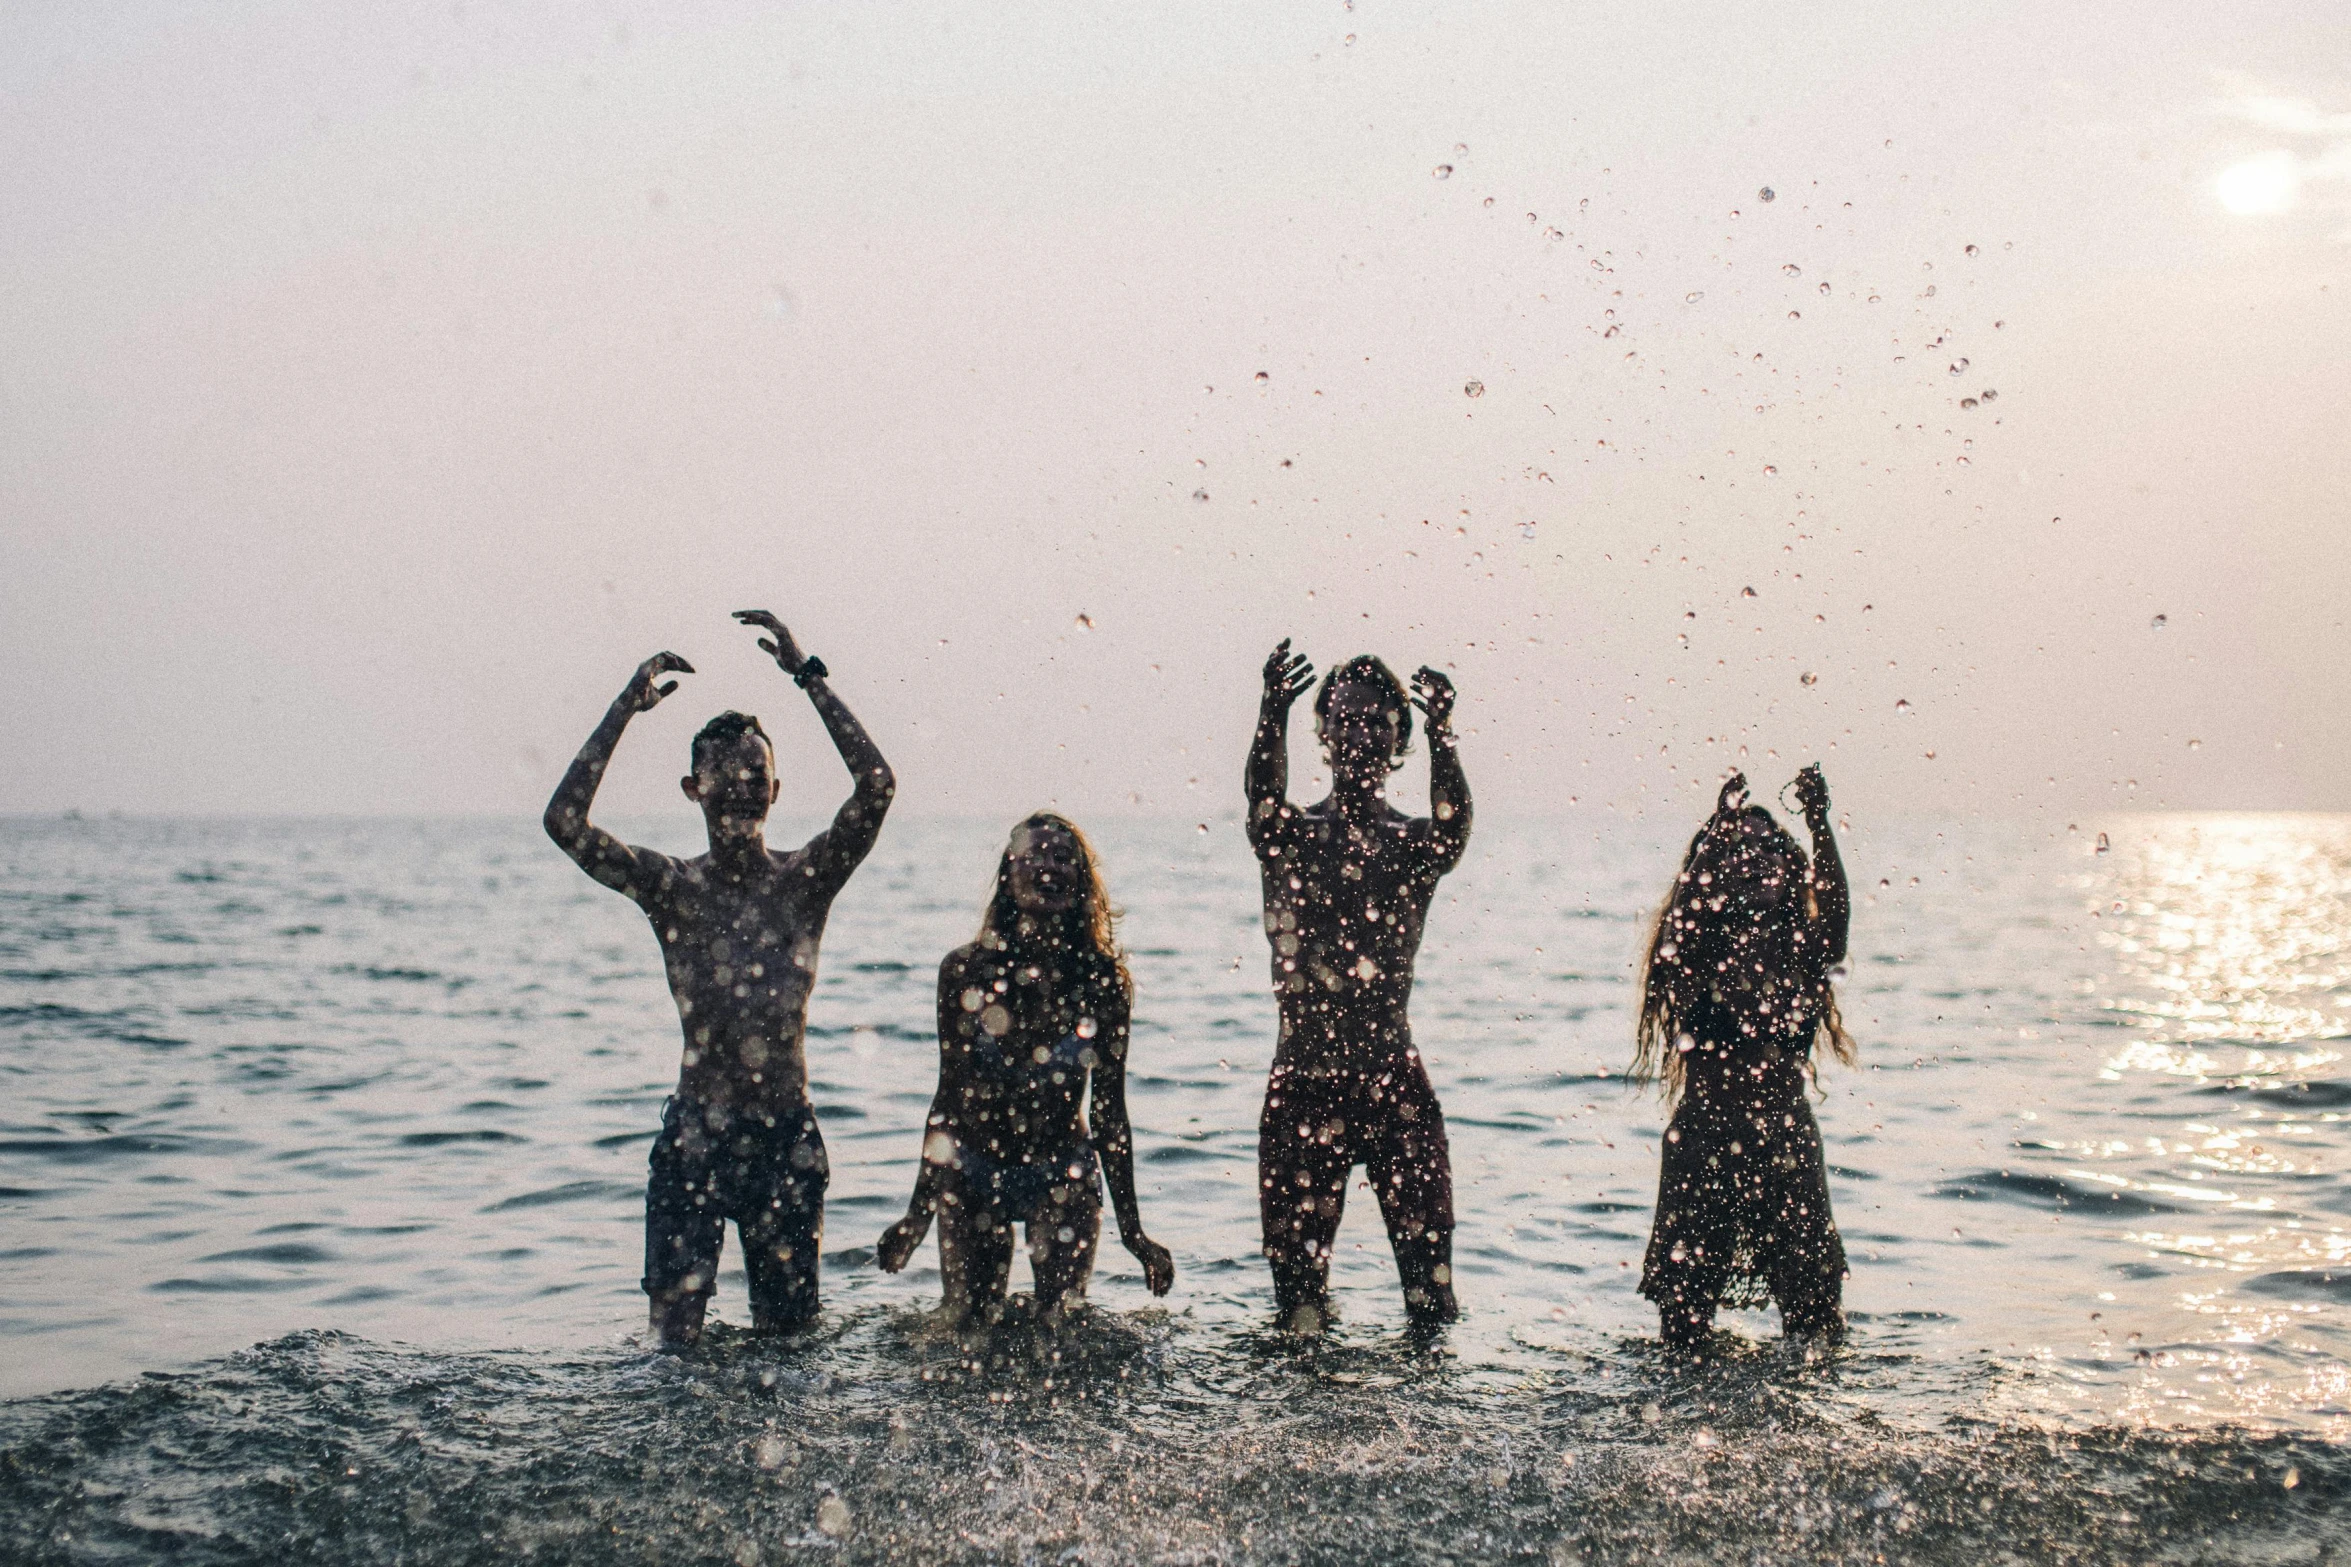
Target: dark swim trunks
[711,1164]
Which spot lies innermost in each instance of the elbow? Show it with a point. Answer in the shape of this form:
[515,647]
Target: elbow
[879,785]
[557,821]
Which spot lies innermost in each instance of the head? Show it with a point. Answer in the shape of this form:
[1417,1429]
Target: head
[734,777]
[1049,889]
[1363,719]
[1741,896]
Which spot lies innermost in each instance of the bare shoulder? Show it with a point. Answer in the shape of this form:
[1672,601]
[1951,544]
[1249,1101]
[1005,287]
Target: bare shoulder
[964,960]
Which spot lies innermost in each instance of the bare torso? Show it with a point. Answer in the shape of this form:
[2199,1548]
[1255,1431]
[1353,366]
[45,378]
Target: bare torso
[1346,899]
[740,949]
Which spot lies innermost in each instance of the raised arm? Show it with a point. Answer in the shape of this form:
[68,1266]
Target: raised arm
[836,851]
[1114,1142]
[1448,785]
[596,851]
[938,1127]
[1287,675]
[1830,896]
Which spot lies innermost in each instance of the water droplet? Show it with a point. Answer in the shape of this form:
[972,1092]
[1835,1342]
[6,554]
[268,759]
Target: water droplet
[1085,622]
[2103,845]
[1201,828]
[1795,315]
[2195,745]
[1967,402]
[1824,288]
[1770,468]
[1443,171]
[1959,368]
[1526,530]
[1989,395]
[832,1516]
[1199,495]
[1489,201]
[1808,678]
[1262,378]
[2158,623]
[1793,270]
[1461,149]
[1746,593]
[1873,299]
[1971,250]
[1902,705]
[1692,297]
[1767,194]
[1473,388]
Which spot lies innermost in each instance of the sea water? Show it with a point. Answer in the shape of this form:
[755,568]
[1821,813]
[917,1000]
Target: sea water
[322,1153]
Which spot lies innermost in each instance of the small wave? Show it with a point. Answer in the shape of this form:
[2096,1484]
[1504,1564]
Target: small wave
[292,1253]
[570,1191]
[2310,1094]
[233,1285]
[122,1145]
[439,1139]
[2055,1191]
[2303,1283]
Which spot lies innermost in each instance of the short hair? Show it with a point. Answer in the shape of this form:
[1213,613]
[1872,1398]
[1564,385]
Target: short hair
[1367,668]
[723,730]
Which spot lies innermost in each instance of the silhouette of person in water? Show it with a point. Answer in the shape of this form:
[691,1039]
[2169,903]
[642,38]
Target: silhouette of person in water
[1032,1014]
[1735,996]
[739,928]
[1347,886]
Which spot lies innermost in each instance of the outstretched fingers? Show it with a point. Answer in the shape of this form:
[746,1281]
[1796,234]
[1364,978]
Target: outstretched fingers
[1287,674]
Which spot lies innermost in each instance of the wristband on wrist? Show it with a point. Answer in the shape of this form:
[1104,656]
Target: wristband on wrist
[811,668]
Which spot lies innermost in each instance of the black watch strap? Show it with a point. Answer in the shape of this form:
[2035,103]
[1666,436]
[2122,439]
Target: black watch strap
[811,668]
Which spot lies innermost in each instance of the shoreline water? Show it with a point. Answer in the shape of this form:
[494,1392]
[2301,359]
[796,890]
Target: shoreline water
[379,1096]
[877,1439]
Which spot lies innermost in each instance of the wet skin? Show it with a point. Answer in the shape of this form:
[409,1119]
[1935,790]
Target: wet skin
[1013,1091]
[740,924]
[1347,883]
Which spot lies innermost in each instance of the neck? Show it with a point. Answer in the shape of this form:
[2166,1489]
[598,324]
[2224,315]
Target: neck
[1057,930]
[737,843]
[1358,792]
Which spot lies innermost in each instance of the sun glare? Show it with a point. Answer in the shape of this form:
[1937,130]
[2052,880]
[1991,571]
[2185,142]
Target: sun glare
[2257,186]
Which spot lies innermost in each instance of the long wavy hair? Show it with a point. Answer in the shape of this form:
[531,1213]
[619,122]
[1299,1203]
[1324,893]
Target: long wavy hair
[1692,929]
[1094,922]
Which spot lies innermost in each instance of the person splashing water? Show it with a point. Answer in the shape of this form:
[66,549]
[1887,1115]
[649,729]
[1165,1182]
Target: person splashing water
[1347,885]
[1735,996]
[739,929]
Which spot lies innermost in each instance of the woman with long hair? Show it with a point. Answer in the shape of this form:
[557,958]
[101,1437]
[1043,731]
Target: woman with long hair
[1031,1012]
[1735,1001]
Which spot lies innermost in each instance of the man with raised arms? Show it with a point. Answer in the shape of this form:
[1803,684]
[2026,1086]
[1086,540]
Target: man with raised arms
[739,928]
[1347,887]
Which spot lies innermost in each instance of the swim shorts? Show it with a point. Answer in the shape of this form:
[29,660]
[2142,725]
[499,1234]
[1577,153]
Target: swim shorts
[713,1163]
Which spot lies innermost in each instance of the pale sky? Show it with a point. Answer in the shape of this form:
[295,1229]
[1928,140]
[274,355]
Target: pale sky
[379,384]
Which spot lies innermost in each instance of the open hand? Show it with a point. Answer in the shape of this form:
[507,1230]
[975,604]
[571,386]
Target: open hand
[1158,1265]
[1287,675]
[785,651]
[1812,792]
[641,693]
[899,1240]
[1432,693]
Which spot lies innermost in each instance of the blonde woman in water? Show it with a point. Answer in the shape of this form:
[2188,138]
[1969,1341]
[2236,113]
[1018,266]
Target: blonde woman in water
[1031,1111]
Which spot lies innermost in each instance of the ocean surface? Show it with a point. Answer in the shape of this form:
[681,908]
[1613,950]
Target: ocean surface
[322,1147]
